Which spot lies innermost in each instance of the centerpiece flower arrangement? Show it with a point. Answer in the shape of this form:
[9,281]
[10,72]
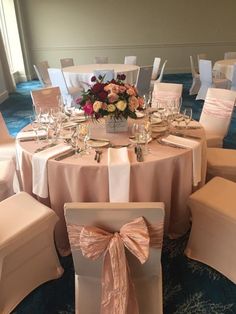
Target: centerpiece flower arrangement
[114,98]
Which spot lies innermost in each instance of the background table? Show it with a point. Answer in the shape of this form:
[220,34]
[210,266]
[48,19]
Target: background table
[165,175]
[76,75]
[225,67]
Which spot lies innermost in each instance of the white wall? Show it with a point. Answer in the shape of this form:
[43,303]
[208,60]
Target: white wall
[171,29]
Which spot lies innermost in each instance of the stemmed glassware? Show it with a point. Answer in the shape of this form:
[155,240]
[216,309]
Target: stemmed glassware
[35,127]
[83,131]
[187,116]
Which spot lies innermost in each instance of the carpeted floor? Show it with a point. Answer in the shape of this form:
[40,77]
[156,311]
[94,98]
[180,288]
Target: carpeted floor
[189,287]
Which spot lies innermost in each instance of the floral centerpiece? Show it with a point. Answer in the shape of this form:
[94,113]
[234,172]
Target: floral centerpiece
[114,98]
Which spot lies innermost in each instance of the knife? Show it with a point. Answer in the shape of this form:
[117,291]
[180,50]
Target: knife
[65,155]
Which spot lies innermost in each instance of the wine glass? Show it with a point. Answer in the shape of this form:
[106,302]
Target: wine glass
[187,116]
[35,127]
[84,135]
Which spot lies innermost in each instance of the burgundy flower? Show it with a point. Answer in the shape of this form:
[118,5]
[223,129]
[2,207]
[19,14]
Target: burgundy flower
[118,76]
[93,79]
[123,77]
[102,95]
[98,87]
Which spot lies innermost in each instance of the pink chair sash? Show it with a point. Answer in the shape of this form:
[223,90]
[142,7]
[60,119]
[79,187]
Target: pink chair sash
[118,293]
[165,96]
[218,108]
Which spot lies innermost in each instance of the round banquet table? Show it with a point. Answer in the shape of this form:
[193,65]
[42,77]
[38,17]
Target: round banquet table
[225,67]
[165,175]
[80,75]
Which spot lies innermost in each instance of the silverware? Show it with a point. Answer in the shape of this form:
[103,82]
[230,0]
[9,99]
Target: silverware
[99,139]
[119,145]
[99,153]
[187,136]
[169,144]
[40,149]
[65,155]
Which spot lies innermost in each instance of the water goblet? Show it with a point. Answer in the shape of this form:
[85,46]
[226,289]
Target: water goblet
[187,116]
[35,127]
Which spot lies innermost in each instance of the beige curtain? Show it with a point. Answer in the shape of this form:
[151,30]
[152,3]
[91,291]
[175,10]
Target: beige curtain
[10,85]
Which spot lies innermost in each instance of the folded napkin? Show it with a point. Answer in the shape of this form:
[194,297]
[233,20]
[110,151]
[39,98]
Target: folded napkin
[118,174]
[39,168]
[196,152]
[31,134]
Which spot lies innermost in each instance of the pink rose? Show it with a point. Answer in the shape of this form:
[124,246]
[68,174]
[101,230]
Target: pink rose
[140,102]
[122,88]
[130,91]
[88,108]
[112,97]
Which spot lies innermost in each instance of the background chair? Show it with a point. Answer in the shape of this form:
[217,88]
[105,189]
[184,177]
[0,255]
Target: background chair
[66,62]
[130,60]
[41,70]
[107,74]
[213,231]
[144,79]
[156,66]
[194,89]
[46,97]
[166,93]
[160,77]
[230,55]
[7,172]
[7,142]
[221,162]
[201,56]
[216,115]
[147,277]
[100,60]
[207,80]
[69,94]
[233,82]
[28,256]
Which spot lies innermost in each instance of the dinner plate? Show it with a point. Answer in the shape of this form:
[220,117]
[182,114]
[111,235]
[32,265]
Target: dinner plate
[159,129]
[96,144]
[139,142]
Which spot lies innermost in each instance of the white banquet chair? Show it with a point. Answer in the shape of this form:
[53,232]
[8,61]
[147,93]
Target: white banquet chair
[144,79]
[107,75]
[196,83]
[101,60]
[41,70]
[201,56]
[207,80]
[66,62]
[216,115]
[130,60]
[233,82]
[112,217]
[213,231]
[155,71]
[28,257]
[7,172]
[7,142]
[166,93]
[230,55]
[69,94]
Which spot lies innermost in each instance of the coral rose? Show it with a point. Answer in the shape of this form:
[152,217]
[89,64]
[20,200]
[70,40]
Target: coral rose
[122,88]
[133,103]
[112,97]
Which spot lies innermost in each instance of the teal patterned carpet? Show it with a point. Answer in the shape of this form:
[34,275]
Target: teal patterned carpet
[189,287]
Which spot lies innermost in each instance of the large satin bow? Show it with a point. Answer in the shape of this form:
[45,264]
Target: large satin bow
[118,293]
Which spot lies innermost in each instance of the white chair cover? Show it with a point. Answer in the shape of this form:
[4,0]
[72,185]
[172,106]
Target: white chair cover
[230,55]
[7,172]
[41,70]
[216,115]
[156,65]
[233,82]
[107,74]
[111,217]
[7,143]
[166,93]
[207,81]
[130,60]
[101,60]
[196,79]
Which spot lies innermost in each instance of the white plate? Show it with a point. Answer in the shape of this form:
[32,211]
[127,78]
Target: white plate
[156,120]
[159,129]
[139,114]
[96,144]
[142,142]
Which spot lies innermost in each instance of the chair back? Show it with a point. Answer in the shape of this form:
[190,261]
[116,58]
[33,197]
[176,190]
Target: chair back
[130,60]
[193,71]
[107,74]
[57,78]
[205,70]
[156,65]
[4,134]
[46,97]
[111,217]
[201,56]
[162,72]
[66,62]
[144,79]
[233,82]
[101,60]
[217,111]
[230,55]
[166,93]
[41,70]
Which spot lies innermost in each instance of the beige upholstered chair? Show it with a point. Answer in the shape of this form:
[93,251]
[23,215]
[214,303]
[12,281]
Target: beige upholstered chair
[230,55]
[147,277]
[7,171]
[28,256]
[130,60]
[221,162]
[213,232]
[101,60]
[7,142]
[166,93]
[66,62]
[216,115]
[46,97]
[196,83]
[41,70]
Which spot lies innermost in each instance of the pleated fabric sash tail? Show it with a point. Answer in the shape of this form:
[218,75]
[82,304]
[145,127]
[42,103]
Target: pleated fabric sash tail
[118,292]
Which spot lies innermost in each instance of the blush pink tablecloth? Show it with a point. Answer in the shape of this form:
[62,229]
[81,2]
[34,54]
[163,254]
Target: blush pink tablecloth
[165,175]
